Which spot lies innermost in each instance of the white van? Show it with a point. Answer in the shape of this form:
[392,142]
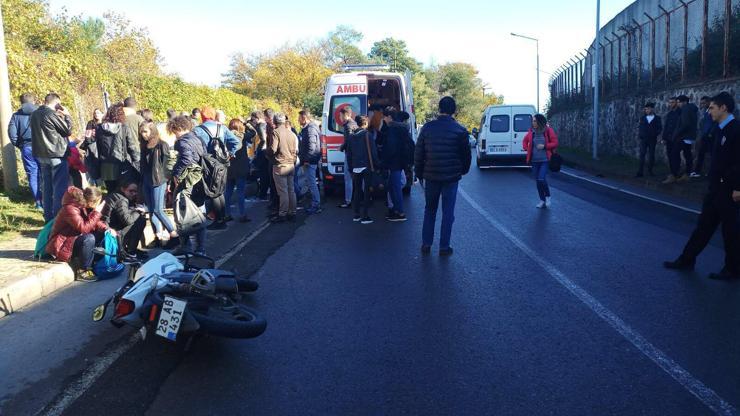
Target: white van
[361,88]
[502,130]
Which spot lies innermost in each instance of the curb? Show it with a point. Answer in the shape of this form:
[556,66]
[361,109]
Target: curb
[36,286]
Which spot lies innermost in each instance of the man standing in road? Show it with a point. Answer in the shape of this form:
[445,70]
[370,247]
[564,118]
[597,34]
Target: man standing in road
[19,131]
[705,140]
[721,203]
[650,128]
[671,122]
[684,137]
[442,157]
[134,122]
[281,149]
[350,126]
[310,155]
[51,124]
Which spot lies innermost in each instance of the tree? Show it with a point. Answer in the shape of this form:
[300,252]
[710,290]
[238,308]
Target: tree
[461,81]
[424,97]
[341,48]
[395,53]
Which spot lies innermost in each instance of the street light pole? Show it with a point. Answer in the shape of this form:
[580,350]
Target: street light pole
[595,81]
[10,172]
[537,42]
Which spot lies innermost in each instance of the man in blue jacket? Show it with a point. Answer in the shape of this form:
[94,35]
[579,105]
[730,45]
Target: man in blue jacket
[309,153]
[19,131]
[441,158]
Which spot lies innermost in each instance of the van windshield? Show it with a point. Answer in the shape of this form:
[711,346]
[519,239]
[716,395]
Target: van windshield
[358,104]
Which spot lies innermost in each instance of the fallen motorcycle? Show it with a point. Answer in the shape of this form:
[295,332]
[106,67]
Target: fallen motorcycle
[173,295]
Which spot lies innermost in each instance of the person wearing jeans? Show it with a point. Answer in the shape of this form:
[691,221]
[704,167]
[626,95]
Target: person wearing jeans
[362,155]
[441,158]
[19,131]
[397,155]
[309,153]
[350,126]
[54,182]
[540,143]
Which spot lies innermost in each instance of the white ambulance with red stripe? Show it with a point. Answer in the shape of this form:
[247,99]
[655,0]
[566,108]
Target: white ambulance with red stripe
[360,88]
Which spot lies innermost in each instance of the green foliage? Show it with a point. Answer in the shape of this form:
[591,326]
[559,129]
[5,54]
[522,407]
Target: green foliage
[395,53]
[424,97]
[461,81]
[340,47]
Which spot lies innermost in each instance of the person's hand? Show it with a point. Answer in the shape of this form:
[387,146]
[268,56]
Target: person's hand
[100,207]
[62,110]
[736,196]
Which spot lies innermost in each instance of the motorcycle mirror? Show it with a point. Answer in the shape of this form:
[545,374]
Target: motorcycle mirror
[99,313]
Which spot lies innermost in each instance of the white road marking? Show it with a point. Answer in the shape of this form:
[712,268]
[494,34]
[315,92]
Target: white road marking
[683,377]
[101,365]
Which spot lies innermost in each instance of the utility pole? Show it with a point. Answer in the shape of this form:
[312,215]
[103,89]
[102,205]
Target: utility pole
[537,41]
[595,81]
[10,172]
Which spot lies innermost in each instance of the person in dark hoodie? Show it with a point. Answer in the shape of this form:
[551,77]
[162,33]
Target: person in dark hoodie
[19,131]
[346,116]
[671,120]
[684,137]
[650,128]
[722,203]
[123,215]
[118,150]
[398,154]
[362,158]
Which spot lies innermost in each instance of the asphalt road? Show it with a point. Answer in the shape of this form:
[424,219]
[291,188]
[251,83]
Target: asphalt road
[565,311]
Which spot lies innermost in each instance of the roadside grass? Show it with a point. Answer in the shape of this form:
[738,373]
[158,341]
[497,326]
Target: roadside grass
[18,214]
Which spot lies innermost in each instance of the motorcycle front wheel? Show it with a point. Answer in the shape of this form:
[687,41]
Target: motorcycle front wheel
[229,321]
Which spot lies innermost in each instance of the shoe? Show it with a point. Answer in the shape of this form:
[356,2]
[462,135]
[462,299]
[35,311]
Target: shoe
[172,243]
[39,207]
[217,225]
[290,217]
[299,208]
[366,220]
[86,276]
[679,264]
[312,211]
[639,175]
[391,213]
[141,255]
[682,178]
[278,219]
[180,250]
[695,175]
[724,274]
[357,218]
[445,251]
[344,205]
[244,219]
[541,205]
[398,218]
[426,249]
[669,180]
[228,218]
[548,201]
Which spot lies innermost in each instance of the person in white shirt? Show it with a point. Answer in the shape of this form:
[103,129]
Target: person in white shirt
[651,126]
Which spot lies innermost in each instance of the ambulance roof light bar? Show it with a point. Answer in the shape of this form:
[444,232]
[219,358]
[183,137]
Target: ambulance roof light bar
[366,67]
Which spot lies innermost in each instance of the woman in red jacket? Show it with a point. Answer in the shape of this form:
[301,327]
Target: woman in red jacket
[76,229]
[540,142]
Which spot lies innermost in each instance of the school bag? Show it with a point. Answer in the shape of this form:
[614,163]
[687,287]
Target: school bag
[108,267]
[39,251]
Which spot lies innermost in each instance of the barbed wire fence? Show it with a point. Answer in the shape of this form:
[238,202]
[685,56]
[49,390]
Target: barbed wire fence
[693,41]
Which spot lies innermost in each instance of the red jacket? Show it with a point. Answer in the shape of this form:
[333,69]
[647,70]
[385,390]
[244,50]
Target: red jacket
[72,221]
[551,143]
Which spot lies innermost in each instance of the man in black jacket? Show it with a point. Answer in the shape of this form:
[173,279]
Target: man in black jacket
[721,203]
[441,159]
[309,153]
[684,137]
[398,154]
[671,122]
[121,214]
[19,131]
[51,125]
[650,128]
[350,126]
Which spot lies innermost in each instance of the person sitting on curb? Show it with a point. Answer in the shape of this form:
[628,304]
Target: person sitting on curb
[122,214]
[77,229]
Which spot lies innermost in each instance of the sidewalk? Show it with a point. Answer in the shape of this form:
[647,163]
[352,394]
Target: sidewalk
[24,280]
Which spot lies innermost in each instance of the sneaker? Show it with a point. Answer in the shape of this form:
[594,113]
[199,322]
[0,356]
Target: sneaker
[548,201]
[290,217]
[541,205]
[357,218]
[217,225]
[244,219]
[426,249]
[345,205]
[445,251]
[278,219]
[313,210]
[391,213]
[228,218]
[695,175]
[679,264]
[398,218]
[86,276]
[366,220]
[39,207]
[682,178]
[669,180]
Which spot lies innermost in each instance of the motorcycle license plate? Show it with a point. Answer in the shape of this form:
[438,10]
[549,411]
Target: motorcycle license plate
[170,318]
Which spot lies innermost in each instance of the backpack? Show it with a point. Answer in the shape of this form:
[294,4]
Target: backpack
[216,146]
[40,251]
[108,267]
[214,176]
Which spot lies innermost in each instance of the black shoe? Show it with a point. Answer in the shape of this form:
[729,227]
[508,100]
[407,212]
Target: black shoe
[357,218]
[217,225]
[426,249]
[290,218]
[391,213]
[445,251]
[366,220]
[228,218]
[679,264]
[724,274]
[278,219]
[398,218]
[344,205]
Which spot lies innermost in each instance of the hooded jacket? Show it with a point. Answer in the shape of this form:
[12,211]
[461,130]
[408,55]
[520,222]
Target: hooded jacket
[49,133]
[19,128]
[117,145]
[118,212]
[72,221]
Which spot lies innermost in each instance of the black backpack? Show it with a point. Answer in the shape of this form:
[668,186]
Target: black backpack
[216,146]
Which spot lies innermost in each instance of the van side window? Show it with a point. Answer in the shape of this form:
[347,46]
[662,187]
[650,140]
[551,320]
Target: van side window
[358,103]
[499,124]
[522,122]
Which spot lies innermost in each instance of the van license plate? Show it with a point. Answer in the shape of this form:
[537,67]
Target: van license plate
[498,149]
[171,317]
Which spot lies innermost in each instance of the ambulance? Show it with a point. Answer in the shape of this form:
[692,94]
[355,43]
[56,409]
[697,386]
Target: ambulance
[360,87]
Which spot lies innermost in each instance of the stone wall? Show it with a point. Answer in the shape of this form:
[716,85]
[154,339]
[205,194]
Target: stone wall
[619,118]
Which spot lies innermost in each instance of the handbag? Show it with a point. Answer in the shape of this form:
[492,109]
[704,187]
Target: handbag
[556,162]
[376,181]
[189,218]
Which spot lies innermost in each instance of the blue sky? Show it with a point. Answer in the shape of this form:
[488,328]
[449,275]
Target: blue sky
[197,38]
